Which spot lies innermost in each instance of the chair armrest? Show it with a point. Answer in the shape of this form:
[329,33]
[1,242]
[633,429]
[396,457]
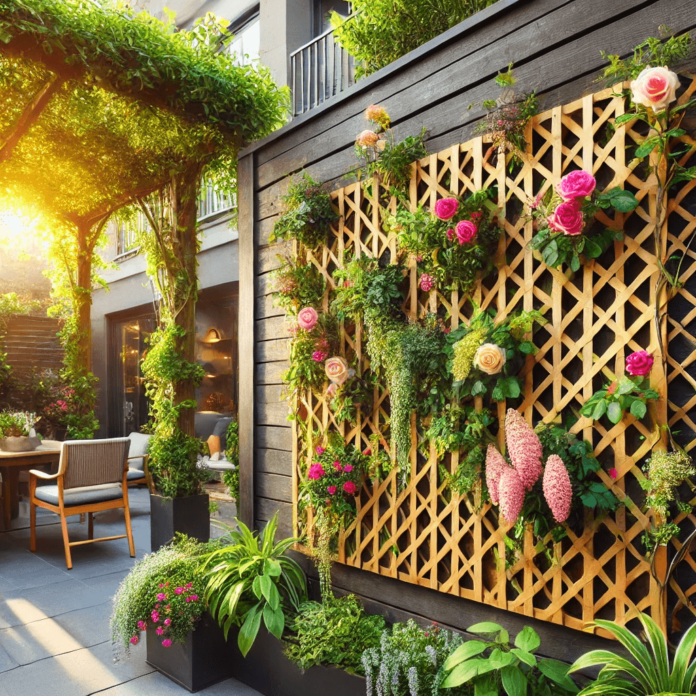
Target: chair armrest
[137,456]
[43,474]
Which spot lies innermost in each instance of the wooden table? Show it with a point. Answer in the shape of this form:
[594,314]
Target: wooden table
[10,465]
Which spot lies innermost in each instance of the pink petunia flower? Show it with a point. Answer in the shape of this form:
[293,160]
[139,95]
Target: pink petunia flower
[134,640]
[167,622]
[159,631]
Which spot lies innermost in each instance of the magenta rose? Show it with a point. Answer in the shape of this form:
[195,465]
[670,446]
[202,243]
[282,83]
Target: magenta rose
[446,208]
[331,489]
[576,185]
[316,471]
[567,218]
[350,488]
[639,363]
[466,231]
[307,318]
[427,282]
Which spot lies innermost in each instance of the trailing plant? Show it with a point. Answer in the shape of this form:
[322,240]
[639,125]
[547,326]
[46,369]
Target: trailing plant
[497,666]
[380,31]
[628,394]
[508,116]
[308,213]
[461,429]
[390,160]
[16,424]
[410,661]
[485,356]
[231,477]
[334,632]
[455,246]
[297,285]
[565,218]
[649,671]
[330,486]
[665,473]
[252,579]
[160,590]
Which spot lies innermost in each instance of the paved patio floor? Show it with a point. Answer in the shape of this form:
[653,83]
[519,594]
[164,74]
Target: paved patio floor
[54,623]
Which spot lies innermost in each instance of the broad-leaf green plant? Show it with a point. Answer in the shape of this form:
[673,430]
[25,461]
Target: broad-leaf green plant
[650,673]
[253,580]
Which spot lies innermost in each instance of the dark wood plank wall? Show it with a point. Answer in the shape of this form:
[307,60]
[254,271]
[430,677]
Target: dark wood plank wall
[32,343]
[555,46]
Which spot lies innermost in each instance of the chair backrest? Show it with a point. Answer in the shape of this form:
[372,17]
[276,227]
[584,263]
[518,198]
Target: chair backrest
[93,462]
[139,444]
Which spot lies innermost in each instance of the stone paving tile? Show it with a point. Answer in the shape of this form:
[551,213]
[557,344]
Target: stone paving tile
[157,685]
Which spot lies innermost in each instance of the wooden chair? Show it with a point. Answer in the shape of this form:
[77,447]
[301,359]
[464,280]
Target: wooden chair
[92,476]
[137,461]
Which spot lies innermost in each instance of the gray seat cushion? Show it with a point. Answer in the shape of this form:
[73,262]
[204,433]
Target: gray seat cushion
[138,446]
[134,474]
[80,496]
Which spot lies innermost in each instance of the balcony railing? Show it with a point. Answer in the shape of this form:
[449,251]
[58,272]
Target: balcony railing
[320,70]
[211,203]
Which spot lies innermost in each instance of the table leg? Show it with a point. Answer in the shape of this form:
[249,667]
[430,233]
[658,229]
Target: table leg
[6,492]
[14,492]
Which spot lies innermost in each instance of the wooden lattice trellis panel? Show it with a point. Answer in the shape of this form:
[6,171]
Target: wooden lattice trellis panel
[596,317]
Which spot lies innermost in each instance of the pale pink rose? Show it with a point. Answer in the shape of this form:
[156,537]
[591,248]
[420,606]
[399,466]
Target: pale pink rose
[578,184]
[307,318]
[655,88]
[567,218]
[489,358]
[336,370]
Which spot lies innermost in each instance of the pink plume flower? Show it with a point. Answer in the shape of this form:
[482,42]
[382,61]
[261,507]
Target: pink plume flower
[495,466]
[639,363]
[466,231]
[427,282]
[557,489]
[523,447]
[316,471]
[307,318]
[367,139]
[446,208]
[511,490]
[350,488]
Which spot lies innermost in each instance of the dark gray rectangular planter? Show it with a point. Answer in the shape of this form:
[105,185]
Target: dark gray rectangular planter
[267,670]
[199,662]
[189,516]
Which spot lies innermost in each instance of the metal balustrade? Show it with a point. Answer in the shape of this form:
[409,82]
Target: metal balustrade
[320,70]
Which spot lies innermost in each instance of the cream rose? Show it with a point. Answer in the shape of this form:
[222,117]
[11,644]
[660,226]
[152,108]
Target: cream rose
[489,358]
[336,370]
[655,87]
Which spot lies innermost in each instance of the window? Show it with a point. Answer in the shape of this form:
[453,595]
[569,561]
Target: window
[246,41]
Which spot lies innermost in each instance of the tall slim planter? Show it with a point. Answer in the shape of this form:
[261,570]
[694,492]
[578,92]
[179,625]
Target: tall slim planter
[196,664]
[190,516]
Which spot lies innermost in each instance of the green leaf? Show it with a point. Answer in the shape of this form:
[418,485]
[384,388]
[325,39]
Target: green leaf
[514,682]
[575,263]
[462,673]
[469,649]
[528,639]
[550,253]
[626,386]
[557,671]
[486,628]
[624,201]
[256,586]
[526,347]
[592,249]
[524,656]
[614,412]
[599,410]
[274,620]
[478,388]
[646,148]
[638,409]
[624,118]
[249,630]
[271,567]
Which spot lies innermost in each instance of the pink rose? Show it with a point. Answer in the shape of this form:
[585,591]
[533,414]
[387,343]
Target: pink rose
[307,318]
[367,139]
[577,184]
[142,625]
[350,488]
[179,590]
[316,471]
[155,616]
[466,231]
[427,282]
[446,208]
[319,356]
[613,473]
[655,88]
[639,363]
[476,216]
[567,218]
[331,489]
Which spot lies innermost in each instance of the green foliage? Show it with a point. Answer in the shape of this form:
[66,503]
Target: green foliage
[629,394]
[352,397]
[173,453]
[498,381]
[231,477]
[383,30]
[652,53]
[16,424]
[649,671]
[379,463]
[308,213]
[173,566]
[335,632]
[496,666]
[409,661]
[297,285]
[252,580]
[558,249]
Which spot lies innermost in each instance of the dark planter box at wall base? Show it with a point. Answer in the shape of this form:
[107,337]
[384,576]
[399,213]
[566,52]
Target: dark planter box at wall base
[189,516]
[199,662]
[266,669]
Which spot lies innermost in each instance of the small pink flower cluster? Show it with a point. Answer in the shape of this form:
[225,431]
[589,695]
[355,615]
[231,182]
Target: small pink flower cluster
[508,485]
[316,471]
[427,282]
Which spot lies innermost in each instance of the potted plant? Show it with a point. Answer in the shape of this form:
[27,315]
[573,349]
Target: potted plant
[162,597]
[17,432]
